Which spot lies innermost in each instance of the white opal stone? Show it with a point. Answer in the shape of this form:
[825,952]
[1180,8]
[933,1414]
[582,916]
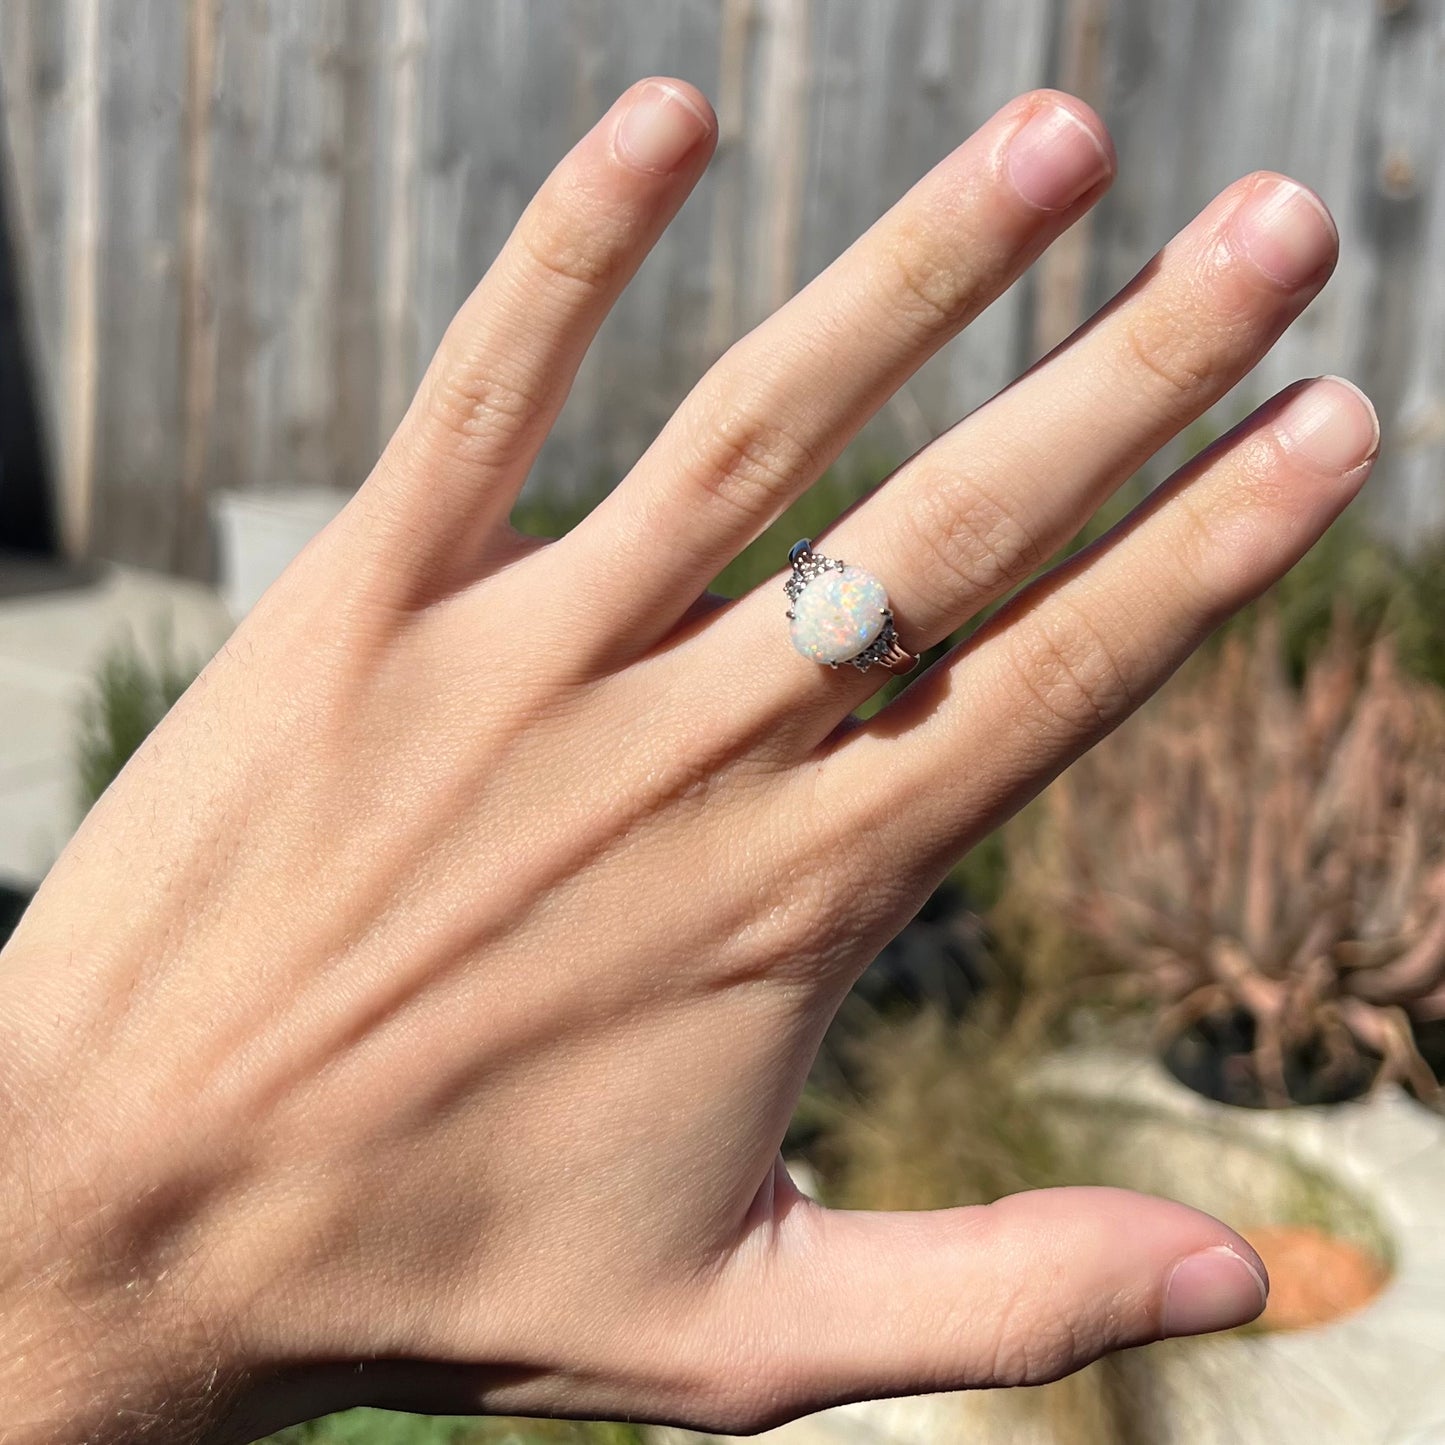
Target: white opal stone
[838,614]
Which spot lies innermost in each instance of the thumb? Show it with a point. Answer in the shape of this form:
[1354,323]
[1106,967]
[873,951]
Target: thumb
[1018,1292]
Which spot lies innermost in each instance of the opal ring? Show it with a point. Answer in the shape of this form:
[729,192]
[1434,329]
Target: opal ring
[840,613]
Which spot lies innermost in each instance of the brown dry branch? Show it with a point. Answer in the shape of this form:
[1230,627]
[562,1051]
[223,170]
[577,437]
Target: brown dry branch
[1246,845]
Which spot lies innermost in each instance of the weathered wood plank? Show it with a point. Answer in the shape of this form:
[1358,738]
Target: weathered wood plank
[246,223]
[138,387]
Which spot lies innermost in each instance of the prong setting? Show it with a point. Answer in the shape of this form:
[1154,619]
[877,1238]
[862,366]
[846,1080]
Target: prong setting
[847,610]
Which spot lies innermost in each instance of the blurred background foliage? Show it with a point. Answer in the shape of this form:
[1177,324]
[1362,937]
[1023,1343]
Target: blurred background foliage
[387,1427]
[134,689]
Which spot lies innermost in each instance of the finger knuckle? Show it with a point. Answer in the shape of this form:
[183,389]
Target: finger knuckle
[747,462]
[485,417]
[1171,353]
[969,544]
[1005,1357]
[1265,475]
[1071,671]
[1214,523]
[1030,1345]
[930,291]
[1197,550]
[577,258]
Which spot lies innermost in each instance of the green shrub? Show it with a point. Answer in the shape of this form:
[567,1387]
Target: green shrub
[387,1427]
[1379,588]
[1253,849]
[129,695]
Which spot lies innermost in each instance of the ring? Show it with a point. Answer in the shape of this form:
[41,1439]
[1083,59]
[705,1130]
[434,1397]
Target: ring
[840,613]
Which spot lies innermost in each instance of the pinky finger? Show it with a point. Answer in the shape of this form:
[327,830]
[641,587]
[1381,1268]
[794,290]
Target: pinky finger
[1081,648]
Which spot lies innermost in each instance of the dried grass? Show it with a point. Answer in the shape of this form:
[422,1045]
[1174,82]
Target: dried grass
[1244,845]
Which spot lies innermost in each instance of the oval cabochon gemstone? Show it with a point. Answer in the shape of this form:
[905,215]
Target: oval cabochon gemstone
[838,614]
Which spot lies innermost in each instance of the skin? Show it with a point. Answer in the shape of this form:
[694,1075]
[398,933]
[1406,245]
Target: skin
[417,1019]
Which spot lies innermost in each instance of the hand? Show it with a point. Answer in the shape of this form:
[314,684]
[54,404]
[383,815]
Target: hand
[417,1020]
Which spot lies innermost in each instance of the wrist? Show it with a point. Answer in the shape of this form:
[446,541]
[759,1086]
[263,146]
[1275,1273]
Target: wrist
[98,1336]
[92,1352]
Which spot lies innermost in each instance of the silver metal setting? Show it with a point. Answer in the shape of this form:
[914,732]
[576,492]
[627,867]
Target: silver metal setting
[885,650]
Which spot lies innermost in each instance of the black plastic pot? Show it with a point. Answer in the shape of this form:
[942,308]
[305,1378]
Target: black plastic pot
[1430,1040]
[13,902]
[938,960]
[1214,1058]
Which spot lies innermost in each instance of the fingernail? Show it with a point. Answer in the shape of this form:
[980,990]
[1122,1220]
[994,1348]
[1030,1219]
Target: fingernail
[1215,1289]
[659,128]
[1286,231]
[1055,158]
[1331,423]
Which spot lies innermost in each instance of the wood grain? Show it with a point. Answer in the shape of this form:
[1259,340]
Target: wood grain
[244,224]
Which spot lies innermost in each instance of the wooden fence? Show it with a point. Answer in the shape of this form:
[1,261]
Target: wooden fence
[243,224]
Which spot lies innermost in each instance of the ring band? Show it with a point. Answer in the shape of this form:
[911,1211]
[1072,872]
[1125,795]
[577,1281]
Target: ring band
[840,613]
